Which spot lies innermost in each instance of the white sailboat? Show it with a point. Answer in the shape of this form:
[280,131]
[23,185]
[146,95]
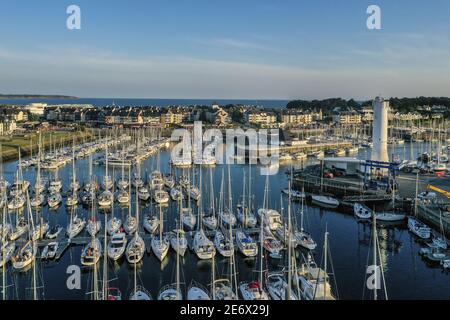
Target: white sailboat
[197,292]
[414,225]
[151,223]
[160,243]
[136,246]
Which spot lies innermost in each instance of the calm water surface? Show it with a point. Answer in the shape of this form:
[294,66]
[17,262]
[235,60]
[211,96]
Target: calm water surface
[407,275]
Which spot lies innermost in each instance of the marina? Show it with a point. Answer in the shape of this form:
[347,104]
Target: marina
[222,187]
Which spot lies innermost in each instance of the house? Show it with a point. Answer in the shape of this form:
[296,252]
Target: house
[347,117]
[260,117]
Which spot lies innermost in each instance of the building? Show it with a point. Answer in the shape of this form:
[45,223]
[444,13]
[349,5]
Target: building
[37,109]
[296,117]
[380,130]
[347,117]
[367,113]
[7,126]
[217,116]
[260,117]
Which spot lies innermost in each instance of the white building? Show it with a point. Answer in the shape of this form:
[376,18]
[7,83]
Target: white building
[36,108]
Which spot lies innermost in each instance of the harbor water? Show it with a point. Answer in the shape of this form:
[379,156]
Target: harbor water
[407,275]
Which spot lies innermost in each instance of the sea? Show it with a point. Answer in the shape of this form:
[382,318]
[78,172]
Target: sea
[102,102]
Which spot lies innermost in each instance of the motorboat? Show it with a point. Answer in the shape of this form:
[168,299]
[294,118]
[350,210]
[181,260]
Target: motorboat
[295,195]
[325,201]
[117,245]
[418,228]
[390,216]
[361,211]
[246,245]
[271,218]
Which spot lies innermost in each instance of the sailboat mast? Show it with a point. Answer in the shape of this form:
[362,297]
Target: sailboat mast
[289,245]
[374,262]
[325,252]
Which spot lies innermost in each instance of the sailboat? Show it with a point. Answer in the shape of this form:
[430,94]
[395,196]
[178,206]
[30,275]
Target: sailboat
[246,245]
[188,218]
[414,225]
[254,290]
[113,225]
[151,223]
[24,256]
[222,244]
[136,247]
[91,252]
[108,182]
[312,281]
[245,215]
[226,216]
[277,287]
[197,292]
[210,220]
[303,237]
[178,239]
[160,243]
[172,291]
[75,226]
[93,226]
[20,229]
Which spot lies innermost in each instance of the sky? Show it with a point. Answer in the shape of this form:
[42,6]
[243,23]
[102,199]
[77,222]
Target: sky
[252,49]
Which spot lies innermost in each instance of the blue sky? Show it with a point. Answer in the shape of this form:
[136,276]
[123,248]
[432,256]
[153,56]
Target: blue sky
[226,49]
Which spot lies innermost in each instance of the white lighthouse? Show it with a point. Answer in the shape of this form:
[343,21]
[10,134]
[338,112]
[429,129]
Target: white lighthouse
[380,130]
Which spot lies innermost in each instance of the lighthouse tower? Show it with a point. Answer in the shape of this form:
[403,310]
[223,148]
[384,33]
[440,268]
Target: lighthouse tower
[380,130]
